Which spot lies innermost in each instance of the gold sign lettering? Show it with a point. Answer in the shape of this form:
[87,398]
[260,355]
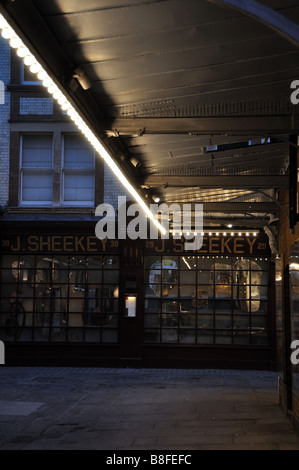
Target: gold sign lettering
[239,247]
[104,244]
[78,242]
[91,243]
[56,243]
[214,245]
[224,245]
[162,246]
[68,243]
[251,243]
[204,245]
[18,246]
[178,246]
[33,243]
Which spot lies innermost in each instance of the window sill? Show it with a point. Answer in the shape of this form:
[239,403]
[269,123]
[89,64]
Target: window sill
[50,209]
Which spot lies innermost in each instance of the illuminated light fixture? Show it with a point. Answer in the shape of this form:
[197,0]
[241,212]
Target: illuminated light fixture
[82,78]
[186,262]
[34,68]
[155,198]
[15,42]
[42,75]
[247,234]
[135,162]
[210,234]
[46,81]
[224,234]
[22,51]
[254,234]
[229,225]
[29,60]
[217,233]
[7,32]
[232,234]
[240,234]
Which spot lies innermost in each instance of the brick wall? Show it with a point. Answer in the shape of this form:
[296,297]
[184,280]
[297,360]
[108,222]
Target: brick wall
[41,106]
[4,124]
[113,188]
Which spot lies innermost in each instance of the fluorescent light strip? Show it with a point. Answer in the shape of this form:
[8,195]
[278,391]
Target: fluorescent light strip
[36,68]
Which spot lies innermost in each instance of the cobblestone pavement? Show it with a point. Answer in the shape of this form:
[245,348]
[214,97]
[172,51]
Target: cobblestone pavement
[141,409]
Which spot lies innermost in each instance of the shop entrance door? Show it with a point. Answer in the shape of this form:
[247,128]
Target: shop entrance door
[131,307]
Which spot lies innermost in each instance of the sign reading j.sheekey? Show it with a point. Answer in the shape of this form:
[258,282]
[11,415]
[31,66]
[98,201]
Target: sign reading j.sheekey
[68,243]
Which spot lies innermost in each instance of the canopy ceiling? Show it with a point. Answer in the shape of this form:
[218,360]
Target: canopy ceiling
[195,91]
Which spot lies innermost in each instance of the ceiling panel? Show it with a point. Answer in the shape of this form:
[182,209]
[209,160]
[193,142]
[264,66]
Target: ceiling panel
[169,59]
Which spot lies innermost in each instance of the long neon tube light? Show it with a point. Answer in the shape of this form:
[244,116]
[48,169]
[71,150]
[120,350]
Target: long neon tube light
[36,68]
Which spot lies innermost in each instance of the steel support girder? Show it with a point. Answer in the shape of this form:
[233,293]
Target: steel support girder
[241,125]
[225,182]
[266,15]
[240,207]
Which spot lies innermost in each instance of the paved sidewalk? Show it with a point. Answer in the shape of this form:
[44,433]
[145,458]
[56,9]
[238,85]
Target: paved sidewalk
[141,409]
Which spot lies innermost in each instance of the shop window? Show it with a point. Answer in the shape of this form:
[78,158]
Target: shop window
[36,175]
[78,172]
[206,300]
[59,298]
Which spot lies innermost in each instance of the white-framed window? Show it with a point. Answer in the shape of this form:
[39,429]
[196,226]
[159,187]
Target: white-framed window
[27,77]
[78,171]
[36,169]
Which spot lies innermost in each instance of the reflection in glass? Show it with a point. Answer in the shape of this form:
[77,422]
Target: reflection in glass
[152,320]
[151,335]
[205,337]
[187,336]
[209,293]
[58,297]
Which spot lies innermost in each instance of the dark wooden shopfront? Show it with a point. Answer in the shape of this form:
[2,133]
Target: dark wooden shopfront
[68,298]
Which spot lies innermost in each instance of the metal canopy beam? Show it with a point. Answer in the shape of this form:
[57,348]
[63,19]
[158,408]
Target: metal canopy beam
[271,18]
[240,207]
[244,182]
[238,125]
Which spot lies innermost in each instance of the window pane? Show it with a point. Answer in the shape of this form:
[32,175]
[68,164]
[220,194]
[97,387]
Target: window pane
[36,187]
[78,188]
[77,153]
[28,76]
[222,302]
[64,301]
[37,151]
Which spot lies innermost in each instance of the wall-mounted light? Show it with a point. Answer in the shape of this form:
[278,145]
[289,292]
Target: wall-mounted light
[30,61]
[82,78]
[135,162]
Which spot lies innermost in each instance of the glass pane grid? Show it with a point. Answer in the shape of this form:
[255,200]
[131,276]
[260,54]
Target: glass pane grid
[206,300]
[45,298]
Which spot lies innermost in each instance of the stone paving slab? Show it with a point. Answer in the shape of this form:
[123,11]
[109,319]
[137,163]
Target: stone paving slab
[141,409]
[18,408]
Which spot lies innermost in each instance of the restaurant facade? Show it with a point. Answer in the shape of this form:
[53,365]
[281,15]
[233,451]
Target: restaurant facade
[69,298]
